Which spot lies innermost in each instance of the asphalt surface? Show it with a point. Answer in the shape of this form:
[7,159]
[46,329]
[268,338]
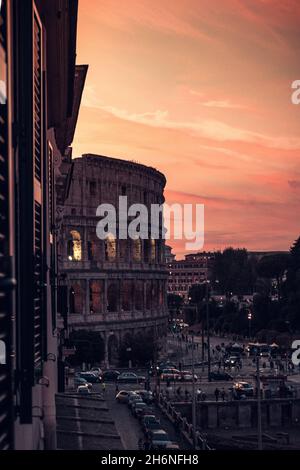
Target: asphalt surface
[127,425]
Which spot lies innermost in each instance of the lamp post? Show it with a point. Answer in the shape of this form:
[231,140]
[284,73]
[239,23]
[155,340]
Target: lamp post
[259,424]
[249,322]
[193,397]
[207,326]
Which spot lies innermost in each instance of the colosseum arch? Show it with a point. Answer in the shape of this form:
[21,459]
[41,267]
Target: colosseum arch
[74,246]
[75,297]
[126,294]
[110,247]
[139,295]
[113,296]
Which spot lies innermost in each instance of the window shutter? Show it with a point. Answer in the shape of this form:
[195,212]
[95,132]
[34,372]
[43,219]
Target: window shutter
[5,280]
[38,149]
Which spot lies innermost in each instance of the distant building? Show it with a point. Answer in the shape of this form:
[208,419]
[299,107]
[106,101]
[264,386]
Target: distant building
[194,269]
[37,75]
[115,287]
[169,256]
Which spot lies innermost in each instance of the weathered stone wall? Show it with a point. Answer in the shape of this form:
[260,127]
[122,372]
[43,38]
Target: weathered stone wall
[243,414]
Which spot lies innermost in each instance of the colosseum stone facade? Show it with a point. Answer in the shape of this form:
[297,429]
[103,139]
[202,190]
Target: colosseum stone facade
[116,287]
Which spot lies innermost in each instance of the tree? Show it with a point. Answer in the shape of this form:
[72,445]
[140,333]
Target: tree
[274,267]
[139,348]
[89,347]
[234,271]
[175,302]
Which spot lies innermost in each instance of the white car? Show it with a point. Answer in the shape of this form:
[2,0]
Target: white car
[187,376]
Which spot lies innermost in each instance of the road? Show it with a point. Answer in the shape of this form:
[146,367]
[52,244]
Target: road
[128,427]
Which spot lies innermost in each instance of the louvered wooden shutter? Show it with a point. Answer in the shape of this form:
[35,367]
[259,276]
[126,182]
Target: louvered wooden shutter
[38,148]
[5,281]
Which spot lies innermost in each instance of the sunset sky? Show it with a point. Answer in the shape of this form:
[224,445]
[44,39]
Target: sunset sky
[201,90]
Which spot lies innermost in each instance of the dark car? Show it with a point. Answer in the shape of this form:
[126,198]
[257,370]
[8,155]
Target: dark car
[220,376]
[150,423]
[130,377]
[90,377]
[110,375]
[159,439]
[139,409]
[146,395]
[233,361]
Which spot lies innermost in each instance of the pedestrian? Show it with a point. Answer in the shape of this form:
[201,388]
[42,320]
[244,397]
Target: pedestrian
[217,394]
[103,387]
[223,394]
[178,391]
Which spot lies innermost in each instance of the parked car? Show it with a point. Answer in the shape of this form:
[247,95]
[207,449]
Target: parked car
[83,390]
[134,399]
[90,377]
[241,389]
[165,365]
[80,381]
[150,423]
[139,409]
[123,396]
[110,375]
[233,361]
[146,395]
[216,375]
[130,377]
[172,446]
[170,374]
[159,439]
[97,371]
[187,376]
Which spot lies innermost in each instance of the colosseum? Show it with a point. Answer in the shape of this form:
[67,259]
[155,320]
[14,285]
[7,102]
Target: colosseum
[115,286]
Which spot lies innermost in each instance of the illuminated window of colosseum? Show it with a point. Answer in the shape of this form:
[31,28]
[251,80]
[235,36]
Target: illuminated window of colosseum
[153,249]
[76,253]
[137,249]
[110,248]
[96,296]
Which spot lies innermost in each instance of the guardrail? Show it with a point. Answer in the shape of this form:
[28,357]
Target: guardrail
[181,423]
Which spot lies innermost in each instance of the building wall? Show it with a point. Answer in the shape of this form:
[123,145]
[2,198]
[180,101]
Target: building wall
[28,381]
[194,269]
[114,286]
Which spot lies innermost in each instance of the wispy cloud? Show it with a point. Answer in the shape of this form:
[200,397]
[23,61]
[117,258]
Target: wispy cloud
[207,128]
[221,104]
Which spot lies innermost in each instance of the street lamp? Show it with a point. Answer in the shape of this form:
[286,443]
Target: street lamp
[193,396]
[249,322]
[207,326]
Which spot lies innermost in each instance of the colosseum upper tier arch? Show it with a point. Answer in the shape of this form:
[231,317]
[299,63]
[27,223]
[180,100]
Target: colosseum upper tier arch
[114,286]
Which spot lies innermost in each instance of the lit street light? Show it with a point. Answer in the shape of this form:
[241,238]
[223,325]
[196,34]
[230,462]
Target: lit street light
[249,322]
